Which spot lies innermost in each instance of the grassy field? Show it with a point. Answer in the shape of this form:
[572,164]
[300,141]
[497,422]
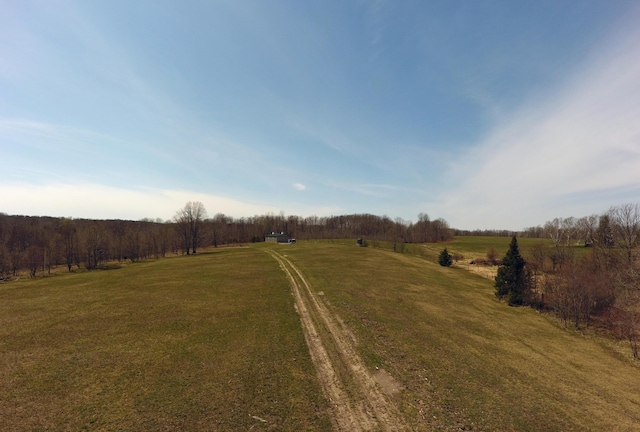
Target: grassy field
[477,247]
[467,361]
[212,342]
[206,342]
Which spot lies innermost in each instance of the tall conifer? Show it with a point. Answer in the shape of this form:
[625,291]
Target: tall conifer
[512,280]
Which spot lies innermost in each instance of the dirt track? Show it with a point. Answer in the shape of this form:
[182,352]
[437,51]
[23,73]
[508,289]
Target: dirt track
[357,401]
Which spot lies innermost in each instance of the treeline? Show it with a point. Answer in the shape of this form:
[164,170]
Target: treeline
[577,231]
[38,244]
[488,233]
[600,282]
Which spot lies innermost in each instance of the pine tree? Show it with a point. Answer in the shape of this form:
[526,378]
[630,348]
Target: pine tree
[445,258]
[512,280]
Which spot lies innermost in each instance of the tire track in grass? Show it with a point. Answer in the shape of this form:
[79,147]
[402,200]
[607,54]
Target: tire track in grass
[358,405]
[345,416]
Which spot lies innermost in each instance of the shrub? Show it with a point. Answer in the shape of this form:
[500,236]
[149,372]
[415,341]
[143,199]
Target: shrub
[445,259]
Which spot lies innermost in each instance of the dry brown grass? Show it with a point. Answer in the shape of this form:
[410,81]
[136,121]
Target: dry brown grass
[486,271]
[212,342]
[207,342]
[465,360]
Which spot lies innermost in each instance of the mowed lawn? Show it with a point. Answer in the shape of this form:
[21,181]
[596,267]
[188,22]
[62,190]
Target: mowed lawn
[467,361]
[205,342]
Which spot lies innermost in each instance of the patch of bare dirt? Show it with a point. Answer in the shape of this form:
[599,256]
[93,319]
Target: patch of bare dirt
[485,271]
[387,383]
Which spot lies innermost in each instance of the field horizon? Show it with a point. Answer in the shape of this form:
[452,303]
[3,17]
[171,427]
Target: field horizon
[218,341]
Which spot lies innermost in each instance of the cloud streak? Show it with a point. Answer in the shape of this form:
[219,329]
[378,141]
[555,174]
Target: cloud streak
[96,201]
[103,202]
[580,141]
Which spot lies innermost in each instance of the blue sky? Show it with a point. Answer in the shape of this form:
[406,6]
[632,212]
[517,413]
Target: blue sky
[490,114]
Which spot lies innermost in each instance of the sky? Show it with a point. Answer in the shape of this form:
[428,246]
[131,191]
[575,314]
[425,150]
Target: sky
[489,114]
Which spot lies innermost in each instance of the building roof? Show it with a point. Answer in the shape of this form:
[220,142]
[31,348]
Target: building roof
[274,234]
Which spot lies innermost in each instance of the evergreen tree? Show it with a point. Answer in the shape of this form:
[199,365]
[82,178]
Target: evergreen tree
[445,258]
[512,280]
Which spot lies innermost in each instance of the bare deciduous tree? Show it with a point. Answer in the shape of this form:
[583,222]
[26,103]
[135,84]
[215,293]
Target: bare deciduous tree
[69,245]
[189,221]
[587,227]
[578,290]
[554,231]
[94,245]
[625,314]
[626,225]
[492,256]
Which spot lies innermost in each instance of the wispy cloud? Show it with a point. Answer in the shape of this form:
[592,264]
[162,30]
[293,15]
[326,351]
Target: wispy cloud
[376,17]
[577,143]
[32,132]
[368,189]
[323,134]
[96,201]
[299,186]
[87,200]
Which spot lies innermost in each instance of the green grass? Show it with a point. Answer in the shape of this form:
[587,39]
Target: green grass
[206,342]
[190,343]
[478,246]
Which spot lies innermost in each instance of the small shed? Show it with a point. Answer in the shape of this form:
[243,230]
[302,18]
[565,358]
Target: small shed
[275,237]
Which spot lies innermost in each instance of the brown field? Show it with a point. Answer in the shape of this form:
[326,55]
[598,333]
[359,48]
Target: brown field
[313,336]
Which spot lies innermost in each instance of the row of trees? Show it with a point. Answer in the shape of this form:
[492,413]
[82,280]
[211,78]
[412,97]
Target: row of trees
[602,283]
[620,225]
[40,243]
[37,244]
[574,231]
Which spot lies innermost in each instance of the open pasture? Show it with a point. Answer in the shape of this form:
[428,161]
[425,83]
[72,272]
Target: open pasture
[204,342]
[477,246]
[214,342]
